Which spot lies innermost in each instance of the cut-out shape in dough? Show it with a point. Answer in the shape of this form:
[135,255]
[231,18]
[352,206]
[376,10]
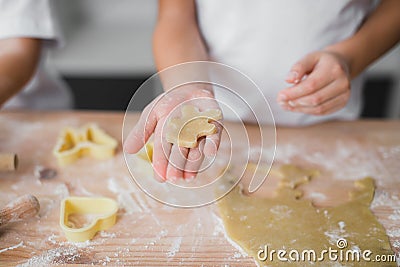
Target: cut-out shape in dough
[288,222]
[89,140]
[192,125]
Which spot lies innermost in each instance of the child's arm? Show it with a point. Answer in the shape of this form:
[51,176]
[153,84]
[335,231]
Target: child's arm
[18,60]
[327,87]
[176,40]
[177,37]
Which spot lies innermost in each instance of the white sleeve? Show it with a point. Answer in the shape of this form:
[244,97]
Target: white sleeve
[28,18]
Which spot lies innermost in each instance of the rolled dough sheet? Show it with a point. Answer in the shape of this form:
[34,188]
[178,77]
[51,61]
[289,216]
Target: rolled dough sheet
[192,125]
[289,222]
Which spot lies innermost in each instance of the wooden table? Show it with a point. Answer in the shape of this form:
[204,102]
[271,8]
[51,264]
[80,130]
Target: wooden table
[148,233]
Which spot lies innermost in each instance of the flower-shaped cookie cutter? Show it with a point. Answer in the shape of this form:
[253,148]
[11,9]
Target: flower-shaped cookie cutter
[89,140]
[100,214]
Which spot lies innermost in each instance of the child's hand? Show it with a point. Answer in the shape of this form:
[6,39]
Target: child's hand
[321,84]
[171,161]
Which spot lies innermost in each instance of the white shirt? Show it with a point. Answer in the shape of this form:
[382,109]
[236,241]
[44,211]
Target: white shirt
[264,38]
[34,18]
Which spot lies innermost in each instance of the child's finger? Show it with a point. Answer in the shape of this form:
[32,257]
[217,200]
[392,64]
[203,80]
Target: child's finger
[325,108]
[321,96]
[194,161]
[315,81]
[302,67]
[142,131]
[161,152]
[176,162]
[212,141]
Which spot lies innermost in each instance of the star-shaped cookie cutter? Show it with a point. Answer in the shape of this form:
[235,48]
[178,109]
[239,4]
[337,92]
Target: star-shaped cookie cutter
[89,140]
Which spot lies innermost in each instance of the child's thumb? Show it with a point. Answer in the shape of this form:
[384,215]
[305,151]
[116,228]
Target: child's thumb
[302,67]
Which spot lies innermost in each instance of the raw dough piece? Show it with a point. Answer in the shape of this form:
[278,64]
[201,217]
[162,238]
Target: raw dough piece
[291,223]
[146,152]
[90,140]
[192,125]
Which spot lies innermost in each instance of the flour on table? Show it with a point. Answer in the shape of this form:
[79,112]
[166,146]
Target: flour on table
[176,245]
[20,244]
[55,256]
[393,232]
[395,216]
[130,198]
[383,198]
[317,196]
[343,154]
[106,234]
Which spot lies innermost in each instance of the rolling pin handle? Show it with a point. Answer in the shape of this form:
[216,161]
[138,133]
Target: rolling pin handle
[8,162]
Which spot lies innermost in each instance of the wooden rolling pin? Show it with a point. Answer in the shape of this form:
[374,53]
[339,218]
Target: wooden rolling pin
[21,208]
[8,161]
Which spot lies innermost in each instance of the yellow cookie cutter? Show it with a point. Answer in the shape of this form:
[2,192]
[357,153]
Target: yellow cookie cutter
[89,140]
[105,210]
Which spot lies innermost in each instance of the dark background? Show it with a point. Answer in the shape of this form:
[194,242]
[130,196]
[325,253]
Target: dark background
[377,92]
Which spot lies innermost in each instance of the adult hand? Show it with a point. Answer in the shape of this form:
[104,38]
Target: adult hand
[320,84]
[171,161]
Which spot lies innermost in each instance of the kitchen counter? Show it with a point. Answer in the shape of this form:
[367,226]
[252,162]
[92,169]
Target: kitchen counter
[148,233]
